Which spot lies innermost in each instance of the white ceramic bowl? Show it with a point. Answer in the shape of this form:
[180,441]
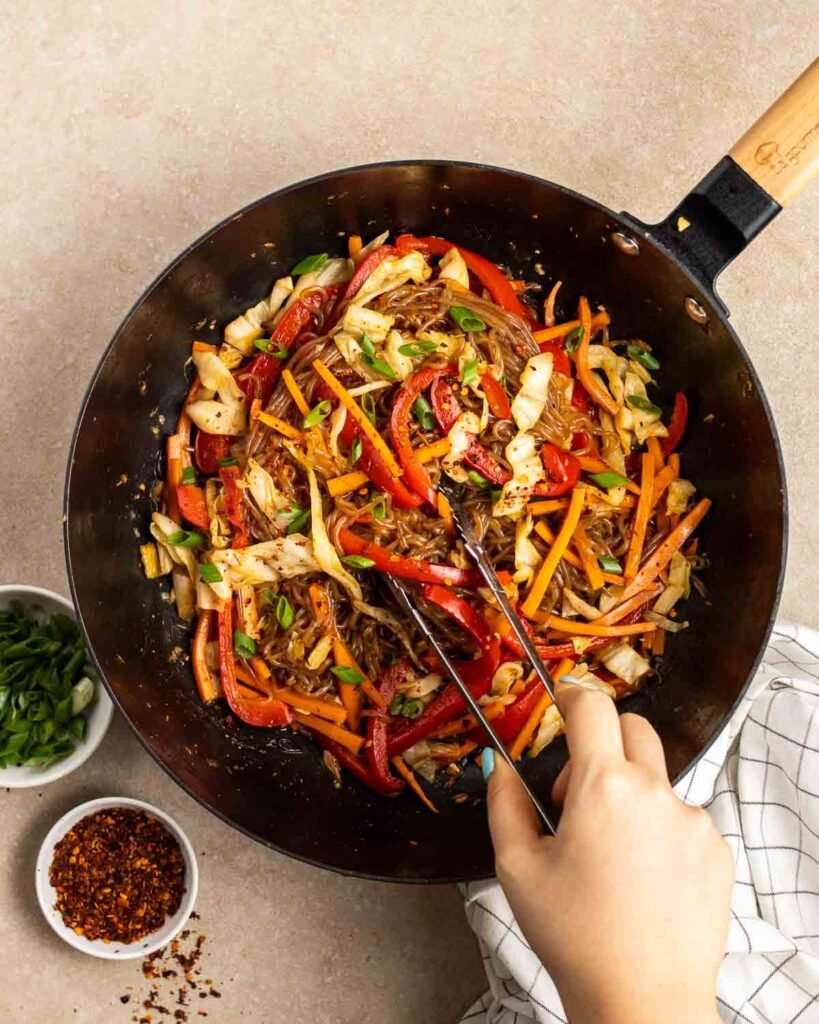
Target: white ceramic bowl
[44,603]
[47,895]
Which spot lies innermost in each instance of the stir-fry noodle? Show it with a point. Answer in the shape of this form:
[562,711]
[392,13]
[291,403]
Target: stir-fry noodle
[305,465]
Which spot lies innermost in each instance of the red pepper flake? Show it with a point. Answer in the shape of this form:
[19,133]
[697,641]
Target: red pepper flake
[119,875]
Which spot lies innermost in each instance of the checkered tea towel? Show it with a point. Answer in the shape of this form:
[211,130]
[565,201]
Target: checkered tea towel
[759,782]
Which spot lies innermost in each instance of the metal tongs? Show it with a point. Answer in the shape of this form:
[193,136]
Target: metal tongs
[476,550]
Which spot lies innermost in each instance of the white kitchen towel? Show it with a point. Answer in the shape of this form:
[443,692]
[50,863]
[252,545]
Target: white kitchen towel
[760,783]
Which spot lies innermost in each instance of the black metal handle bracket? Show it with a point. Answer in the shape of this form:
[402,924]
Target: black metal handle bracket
[718,218]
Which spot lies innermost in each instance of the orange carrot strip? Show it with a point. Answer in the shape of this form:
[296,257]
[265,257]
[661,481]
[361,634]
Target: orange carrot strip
[656,452]
[245,676]
[661,482]
[588,557]
[280,426]
[591,465]
[295,392]
[320,603]
[310,705]
[427,452]
[590,381]
[202,346]
[173,476]
[577,627]
[348,482]
[620,611]
[674,460]
[601,319]
[361,418]
[542,508]
[660,558]
[407,773]
[354,245]
[640,524]
[206,685]
[524,737]
[335,732]
[260,669]
[556,552]
[342,655]
[542,530]
[658,646]
[456,753]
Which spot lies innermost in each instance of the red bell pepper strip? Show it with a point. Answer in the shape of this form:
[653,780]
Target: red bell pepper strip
[233,506]
[365,268]
[509,724]
[447,409]
[676,425]
[407,568]
[355,765]
[582,440]
[210,449]
[415,474]
[372,463]
[496,397]
[561,360]
[257,379]
[192,505]
[491,277]
[376,749]
[563,470]
[268,711]
[477,674]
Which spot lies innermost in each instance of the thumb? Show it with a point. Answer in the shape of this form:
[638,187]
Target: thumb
[513,820]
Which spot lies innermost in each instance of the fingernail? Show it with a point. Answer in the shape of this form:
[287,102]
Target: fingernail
[487,762]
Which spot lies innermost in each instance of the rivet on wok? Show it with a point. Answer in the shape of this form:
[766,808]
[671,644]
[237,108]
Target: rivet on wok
[625,243]
[695,311]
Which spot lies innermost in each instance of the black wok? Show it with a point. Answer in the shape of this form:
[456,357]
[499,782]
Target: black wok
[657,282]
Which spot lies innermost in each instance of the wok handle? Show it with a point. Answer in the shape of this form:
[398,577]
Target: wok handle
[781,150]
[765,171]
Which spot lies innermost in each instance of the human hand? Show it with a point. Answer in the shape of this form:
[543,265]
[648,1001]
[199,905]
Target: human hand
[627,906]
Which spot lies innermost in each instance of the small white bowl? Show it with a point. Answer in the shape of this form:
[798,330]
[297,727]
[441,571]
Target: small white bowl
[47,895]
[43,603]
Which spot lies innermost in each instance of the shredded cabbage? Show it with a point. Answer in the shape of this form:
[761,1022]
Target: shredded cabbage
[453,268]
[527,558]
[245,329]
[623,661]
[461,435]
[527,470]
[264,491]
[530,401]
[505,677]
[323,550]
[359,321]
[391,273]
[679,581]
[401,365]
[679,493]
[550,726]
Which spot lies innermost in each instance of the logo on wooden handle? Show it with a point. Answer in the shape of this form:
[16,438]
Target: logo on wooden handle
[769,154]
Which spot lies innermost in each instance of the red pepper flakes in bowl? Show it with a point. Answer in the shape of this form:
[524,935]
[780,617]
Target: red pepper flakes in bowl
[119,874]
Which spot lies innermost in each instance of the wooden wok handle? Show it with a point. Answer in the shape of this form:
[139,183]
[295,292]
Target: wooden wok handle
[781,151]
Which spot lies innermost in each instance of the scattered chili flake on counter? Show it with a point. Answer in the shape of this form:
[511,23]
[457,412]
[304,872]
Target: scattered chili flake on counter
[119,875]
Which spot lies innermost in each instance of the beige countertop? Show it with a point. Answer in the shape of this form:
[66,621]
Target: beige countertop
[129,129]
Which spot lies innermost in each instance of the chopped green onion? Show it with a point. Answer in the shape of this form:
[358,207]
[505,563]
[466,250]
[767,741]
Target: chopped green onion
[279,352]
[379,509]
[609,479]
[188,475]
[231,460]
[477,479]
[297,518]
[643,404]
[423,413]
[243,645]
[396,704]
[358,561]
[412,708]
[185,539]
[382,367]
[609,564]
[367,346]
[470,372]
[318,413]
[269,596]
[82,693]
[314,262]
[355,451]
[466,319]
[284,613]
[347,674]
[643,356]
[573,339]
[368,405]
[209,572]
[417,348]
[496,494]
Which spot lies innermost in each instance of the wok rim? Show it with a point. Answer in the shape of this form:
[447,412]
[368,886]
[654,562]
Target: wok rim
[621,220]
